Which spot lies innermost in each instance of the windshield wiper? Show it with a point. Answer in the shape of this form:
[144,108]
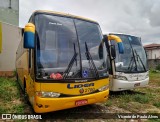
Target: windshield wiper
[132,58]
[130,67]
[89,57]
[74,58]
[140,60]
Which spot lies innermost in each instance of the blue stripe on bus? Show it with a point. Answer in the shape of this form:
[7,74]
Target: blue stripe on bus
[28,40]
[121,47]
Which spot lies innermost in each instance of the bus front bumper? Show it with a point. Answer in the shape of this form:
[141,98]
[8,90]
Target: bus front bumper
[43,105]
[120,85]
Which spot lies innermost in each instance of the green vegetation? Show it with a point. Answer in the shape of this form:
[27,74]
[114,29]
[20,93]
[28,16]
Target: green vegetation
[139,100]
[109,103]
[158,67]
[154,78]
[157,104]
[10,99]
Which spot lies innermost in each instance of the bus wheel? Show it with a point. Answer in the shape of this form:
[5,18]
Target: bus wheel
[26,97]
[17,77]
[25,92]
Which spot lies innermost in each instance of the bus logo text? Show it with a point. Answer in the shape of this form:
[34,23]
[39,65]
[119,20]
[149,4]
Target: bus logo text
[70,86]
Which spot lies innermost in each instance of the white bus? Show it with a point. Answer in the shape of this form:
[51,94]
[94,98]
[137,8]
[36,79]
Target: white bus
[129,69]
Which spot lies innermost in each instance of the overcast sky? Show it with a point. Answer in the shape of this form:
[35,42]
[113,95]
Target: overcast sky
[136,17]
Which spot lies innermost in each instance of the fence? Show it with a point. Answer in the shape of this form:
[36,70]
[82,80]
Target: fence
[11,36]
[152,63]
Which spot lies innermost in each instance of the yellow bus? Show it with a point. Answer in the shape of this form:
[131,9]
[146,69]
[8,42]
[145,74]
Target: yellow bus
[61,62]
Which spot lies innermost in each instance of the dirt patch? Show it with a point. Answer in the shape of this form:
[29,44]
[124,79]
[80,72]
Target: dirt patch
[115,109]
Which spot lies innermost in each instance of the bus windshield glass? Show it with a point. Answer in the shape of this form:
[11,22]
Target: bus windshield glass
[90,37]
[60,48]
[134,58]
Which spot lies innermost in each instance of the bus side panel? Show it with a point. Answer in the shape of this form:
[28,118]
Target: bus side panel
[22,67]
[30,88]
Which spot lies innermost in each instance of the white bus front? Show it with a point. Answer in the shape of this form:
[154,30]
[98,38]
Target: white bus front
[129,70]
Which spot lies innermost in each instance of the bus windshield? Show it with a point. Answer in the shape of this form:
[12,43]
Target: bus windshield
[134,57]
[60,48]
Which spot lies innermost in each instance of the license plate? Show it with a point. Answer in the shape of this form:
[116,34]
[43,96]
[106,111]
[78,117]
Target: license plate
[81,102]
[137,84]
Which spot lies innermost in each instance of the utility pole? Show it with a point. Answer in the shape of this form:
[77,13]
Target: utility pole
[9,4]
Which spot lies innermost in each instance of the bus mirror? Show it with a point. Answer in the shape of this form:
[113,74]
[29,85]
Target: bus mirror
[120,48]
[100,51]
[113,51]
[105,40]
[119,42]
[29,33]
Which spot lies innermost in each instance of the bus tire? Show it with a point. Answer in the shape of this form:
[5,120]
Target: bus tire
[25,92]
[26,97]
[17,77]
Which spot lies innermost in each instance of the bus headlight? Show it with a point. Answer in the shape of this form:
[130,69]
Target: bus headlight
[120,77]
[147,75]
[48,94]
[103,88]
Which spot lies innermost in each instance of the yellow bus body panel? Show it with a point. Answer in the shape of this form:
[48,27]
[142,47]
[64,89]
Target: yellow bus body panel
[22,67]
[62,87]
[54,104]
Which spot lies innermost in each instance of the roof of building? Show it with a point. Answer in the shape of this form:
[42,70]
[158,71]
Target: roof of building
[152,46]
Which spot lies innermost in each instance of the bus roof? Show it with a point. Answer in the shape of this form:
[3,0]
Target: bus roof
[122,34]
[63,14]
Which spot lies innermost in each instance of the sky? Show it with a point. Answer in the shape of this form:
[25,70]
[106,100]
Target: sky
[136,17]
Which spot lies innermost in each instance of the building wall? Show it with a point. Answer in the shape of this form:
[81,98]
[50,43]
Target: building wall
[153,54]
[6,4]
[9,15]
[11,36]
